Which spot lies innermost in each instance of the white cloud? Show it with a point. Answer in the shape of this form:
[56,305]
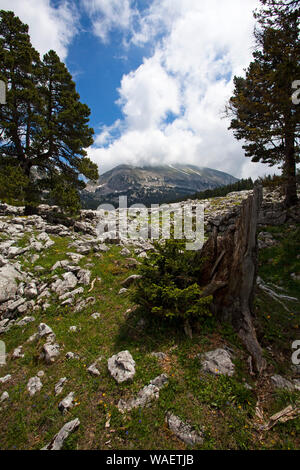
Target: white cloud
[49,27]
[148,94]
[198,48]
[108,15]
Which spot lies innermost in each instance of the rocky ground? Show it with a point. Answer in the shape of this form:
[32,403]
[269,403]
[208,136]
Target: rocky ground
[86,369]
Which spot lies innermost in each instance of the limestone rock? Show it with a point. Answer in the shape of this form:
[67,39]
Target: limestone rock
[183,431]
[50,352]
[71,355]
[144,398]
[130,280]
[96,315]
[5,379]
[125,252]
[84,277]
[282,383]
[60,264]
[4,397]
[60,385]
[121,366]
[18,353]
[159,355]
[160,381]
[122,291]
[24,321]
[217,362]
[67,403]
[59,439]
[8,282]
[44,330]
[31,291]
[34,385]
[92,369]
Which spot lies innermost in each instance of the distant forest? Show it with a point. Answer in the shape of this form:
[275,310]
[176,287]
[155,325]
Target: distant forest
[270,181]
[241,185]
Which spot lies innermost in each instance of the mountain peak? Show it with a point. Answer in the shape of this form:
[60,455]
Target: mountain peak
[152,184]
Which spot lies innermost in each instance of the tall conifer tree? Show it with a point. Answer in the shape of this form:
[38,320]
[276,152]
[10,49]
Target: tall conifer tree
[262,109]
[44,127]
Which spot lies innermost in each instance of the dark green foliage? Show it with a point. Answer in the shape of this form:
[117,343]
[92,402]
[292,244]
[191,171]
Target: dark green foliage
[44,126]
[13,184]
[241,185]
[262,110]
[170,284]
[65,195]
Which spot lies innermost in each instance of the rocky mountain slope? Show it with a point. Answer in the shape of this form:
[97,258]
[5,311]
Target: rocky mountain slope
[86,369]
[151,185]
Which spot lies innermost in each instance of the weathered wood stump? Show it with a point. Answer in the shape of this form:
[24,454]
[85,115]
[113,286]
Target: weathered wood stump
[230,269]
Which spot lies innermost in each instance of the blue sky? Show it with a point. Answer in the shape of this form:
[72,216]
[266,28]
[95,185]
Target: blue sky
[97,69]
[155,73]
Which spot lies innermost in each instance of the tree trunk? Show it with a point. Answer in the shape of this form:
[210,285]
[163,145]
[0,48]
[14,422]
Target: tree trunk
[230,273]
[289,173]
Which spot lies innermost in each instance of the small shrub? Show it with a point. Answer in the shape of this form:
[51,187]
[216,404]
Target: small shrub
[170,283]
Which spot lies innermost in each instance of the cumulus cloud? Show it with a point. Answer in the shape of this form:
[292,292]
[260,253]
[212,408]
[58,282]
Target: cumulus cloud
[49,27]
[173,102]
[107,15]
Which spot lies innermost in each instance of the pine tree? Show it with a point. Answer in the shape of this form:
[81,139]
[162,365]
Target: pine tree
[18,118]
[44,127]
[262,108]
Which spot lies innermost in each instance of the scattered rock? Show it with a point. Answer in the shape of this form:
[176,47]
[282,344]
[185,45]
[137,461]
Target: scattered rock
[60,385]
[73,329]
[183,431]
[93,370]
[84,277]
[44,330]
[4,397]
[31,290]
[60,264]
[18,353]
[121,366]
[50,352]
[123,291]
[282,383]
[24,321]
[159,355]
[96,315]
[125,252]
[71,355]
[67,403]
[132,263]
[145,396]
[160,381]
[8,282]
[34,385]
[130,280]
[217,362]
[59,439]
[5,379]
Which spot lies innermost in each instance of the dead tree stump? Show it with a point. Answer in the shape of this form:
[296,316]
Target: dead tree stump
[230,269]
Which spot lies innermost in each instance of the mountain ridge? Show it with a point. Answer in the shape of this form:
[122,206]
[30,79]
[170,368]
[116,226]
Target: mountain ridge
[152,184]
